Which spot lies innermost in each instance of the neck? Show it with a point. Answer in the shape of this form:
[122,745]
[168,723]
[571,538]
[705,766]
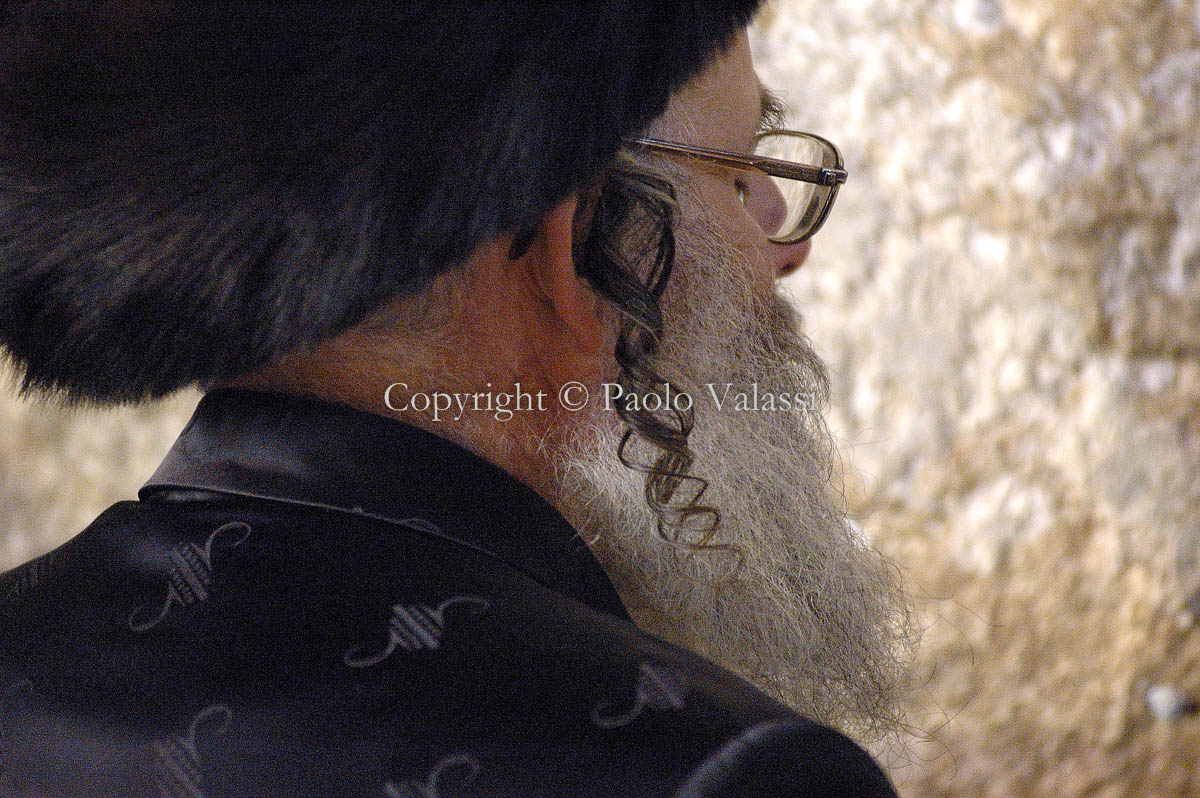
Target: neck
[484,412]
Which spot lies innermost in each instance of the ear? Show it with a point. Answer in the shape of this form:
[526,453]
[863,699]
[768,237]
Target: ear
[550,261]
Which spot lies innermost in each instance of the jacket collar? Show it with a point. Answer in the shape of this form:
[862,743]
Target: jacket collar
[301,450]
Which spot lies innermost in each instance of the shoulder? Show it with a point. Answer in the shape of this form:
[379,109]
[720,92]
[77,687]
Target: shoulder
[381,655]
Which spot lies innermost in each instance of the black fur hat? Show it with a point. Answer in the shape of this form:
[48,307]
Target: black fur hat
[190,190]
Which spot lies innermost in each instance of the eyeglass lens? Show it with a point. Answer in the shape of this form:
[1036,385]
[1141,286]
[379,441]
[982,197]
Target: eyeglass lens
[805,201]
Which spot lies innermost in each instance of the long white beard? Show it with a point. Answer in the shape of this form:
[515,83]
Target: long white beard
[814,616]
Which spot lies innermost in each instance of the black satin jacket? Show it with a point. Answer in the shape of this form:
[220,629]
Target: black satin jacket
[310,600]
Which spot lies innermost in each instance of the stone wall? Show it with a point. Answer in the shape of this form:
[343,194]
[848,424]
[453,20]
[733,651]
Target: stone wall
[59,469]
[1008,295]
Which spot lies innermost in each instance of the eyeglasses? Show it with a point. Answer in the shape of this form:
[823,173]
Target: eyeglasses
[806,168]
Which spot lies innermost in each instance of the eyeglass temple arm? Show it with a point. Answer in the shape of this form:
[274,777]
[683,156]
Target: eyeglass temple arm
[821,175]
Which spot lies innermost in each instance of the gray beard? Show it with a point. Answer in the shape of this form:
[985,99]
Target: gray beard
[812,616]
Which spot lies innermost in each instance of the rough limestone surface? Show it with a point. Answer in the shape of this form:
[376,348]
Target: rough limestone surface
[1008,295]
[59,469]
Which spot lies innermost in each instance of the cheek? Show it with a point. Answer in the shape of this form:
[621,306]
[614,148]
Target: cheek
[765,204]
[739,224]
[716,202]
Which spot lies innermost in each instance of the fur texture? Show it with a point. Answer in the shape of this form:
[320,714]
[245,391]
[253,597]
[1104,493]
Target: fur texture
[191,190]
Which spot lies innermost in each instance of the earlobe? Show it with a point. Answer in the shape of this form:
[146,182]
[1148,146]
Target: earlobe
[551,261]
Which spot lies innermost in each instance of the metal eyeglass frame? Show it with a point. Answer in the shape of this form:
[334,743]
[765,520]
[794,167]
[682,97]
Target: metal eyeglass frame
[832,177]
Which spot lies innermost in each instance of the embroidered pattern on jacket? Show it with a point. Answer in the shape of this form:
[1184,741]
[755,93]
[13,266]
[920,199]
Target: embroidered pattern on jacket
[29,576]
[412,627]
[431,787]
[657,687]
[191,574]
[177,759]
